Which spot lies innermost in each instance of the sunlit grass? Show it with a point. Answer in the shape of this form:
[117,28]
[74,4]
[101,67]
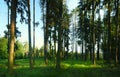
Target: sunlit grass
[70,68]
[80,64]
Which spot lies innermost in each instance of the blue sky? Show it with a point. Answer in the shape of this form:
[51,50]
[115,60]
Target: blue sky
[23,27]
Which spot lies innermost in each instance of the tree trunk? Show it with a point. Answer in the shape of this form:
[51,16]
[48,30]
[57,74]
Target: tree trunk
[46,33]
[98,45]
[85,52]
[109,35]
[54,42]
[90,49]
[50,42]
[118,35]
[85,36]
[67,44]
[33,31]
[59,36]
[29,31]
[98,37]
[12,36]
[117,30]
[82,54]
[8,26]
[93,8]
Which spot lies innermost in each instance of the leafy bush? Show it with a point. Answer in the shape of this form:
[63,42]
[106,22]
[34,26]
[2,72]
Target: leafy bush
[19,55]
[19,50]
[3,48]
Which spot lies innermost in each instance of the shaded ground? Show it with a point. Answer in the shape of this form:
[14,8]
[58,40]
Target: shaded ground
[70,68]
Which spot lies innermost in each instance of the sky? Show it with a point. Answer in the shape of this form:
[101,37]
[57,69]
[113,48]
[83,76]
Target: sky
[23,27]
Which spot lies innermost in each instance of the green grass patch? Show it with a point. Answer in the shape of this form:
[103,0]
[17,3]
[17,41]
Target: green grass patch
[70,68]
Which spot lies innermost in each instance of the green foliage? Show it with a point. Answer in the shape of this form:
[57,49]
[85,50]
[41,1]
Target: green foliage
[3,48]
[19,55]
[19,52]
[41,51]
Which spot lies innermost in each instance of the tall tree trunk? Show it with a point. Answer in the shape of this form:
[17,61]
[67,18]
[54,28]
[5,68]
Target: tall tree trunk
[50,41]
[59,36]
[67,44]
[12,36]
[86,52]
[81,25]
[90,49]
[46,33]
[93,8]
[82,54]
[117,30]
[109,34]
[33,31]
[8,26]
[98,36]
[54,42]
[29,31]
[85,37]
[98,50]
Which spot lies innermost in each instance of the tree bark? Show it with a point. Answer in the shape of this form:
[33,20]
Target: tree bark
[8,26]
[46,33]
[109,35]
[33,31]
[12,36]
[98,36]
[93,45]
[117,30]
[59,36]
[82,54]
[29,35]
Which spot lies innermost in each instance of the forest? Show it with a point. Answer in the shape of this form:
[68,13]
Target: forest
[83,42]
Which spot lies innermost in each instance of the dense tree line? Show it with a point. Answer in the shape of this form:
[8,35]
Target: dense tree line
[95,34]
[56,29]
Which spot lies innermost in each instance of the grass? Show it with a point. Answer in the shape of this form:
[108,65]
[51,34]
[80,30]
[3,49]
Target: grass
[70,68]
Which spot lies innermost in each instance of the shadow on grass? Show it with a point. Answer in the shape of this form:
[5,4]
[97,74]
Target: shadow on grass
[49,71]
[69,69]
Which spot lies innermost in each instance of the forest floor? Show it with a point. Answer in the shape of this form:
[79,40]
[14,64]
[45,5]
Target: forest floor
[70,68]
